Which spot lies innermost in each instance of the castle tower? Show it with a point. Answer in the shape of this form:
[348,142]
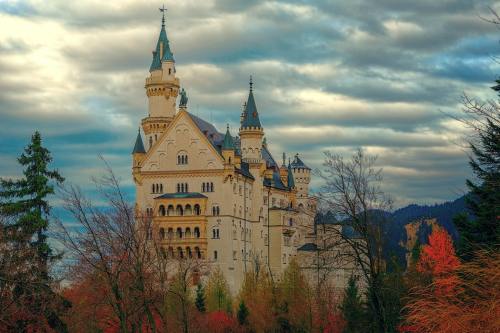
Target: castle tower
[301,176]
[162,88]
[251,132]
[228,149]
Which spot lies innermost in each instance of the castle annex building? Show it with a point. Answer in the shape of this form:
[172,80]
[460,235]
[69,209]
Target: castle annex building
[216,196]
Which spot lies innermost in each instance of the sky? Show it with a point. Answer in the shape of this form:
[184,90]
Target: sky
[328,76]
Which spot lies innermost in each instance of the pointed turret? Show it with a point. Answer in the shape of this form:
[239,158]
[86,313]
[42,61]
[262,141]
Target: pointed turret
[228,148]
[162,51]
[251,131]
[139,146]
[228,143]
[250,113]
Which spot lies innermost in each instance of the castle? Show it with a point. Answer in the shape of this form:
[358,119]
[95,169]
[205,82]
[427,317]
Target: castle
[217,197]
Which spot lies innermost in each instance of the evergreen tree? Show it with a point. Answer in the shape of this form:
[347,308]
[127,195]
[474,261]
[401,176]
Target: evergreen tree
[200,298]
[218,295]
[352,308]
[242,313]
[24,203]
[484,202]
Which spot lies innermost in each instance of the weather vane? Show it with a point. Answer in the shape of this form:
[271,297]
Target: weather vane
[163,10]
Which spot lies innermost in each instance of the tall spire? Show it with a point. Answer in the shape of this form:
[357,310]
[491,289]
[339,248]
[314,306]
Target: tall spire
[162,51]
[251,116]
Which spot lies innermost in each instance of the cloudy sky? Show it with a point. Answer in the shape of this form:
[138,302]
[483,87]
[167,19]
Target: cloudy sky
[329,75]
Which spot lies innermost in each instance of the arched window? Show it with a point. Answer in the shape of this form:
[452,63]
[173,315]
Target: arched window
[215,255]
[211,187]
[217,210]
[170,252]
[188,252]
[187,234]
[179,233]
[188,210]
[180,253]
[152,188]
[150,142]
[179,211]
[197,210]
[161,188]
[198,252]
[170,210]
[197,232]
[178,188]
[213,233]
[161,210]
[182,158]
[162,233]
[186,187]
[170,233]
[203,187]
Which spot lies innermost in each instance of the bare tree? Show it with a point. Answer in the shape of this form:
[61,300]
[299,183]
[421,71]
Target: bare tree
[352,192]
[118,251]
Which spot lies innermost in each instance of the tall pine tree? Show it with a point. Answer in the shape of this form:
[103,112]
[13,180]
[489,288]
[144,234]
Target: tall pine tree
[200,298]
[24,204]
[352,308]
[484,202]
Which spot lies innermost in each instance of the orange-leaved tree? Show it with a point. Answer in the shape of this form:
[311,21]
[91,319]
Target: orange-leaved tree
[439,262]
[472,306]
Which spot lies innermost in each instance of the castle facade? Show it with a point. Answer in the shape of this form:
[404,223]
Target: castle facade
[216,196]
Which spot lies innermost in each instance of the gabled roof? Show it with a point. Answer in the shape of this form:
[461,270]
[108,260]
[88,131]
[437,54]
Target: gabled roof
[250,114]
[266,155]
[162,48]
[184,195]
[139,146]
[297,163]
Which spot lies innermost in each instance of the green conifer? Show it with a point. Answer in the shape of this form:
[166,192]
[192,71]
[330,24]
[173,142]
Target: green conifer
[24,203]
[200,298]
[352,308]
[242,313]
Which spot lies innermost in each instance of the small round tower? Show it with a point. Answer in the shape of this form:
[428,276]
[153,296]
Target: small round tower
[251,131]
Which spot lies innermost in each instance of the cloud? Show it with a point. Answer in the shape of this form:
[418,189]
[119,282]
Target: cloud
[329,75]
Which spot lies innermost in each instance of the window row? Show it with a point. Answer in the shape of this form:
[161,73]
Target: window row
[182,188]
[182,253]
[179,234]
[156,188]
[179,210]
[207,187]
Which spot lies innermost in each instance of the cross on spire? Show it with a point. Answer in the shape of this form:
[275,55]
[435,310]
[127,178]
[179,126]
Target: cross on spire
[163,10]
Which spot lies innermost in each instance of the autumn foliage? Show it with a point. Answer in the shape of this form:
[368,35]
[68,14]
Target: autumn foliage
[439,262]
[461,297]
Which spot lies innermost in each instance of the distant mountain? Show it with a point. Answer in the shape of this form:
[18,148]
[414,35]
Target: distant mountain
[414,222]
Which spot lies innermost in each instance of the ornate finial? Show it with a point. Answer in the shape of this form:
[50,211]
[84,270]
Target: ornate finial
[251,83]
[284,158]
[227,127]
[163,10]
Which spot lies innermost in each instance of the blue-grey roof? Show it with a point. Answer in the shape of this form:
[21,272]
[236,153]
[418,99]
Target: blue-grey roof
[266,155]
[228,142]
[297,163]
[167,54]
[209,130]
[139,146]
[185,195]
[245,170]
[309,247]
[275,181]
[250,114]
